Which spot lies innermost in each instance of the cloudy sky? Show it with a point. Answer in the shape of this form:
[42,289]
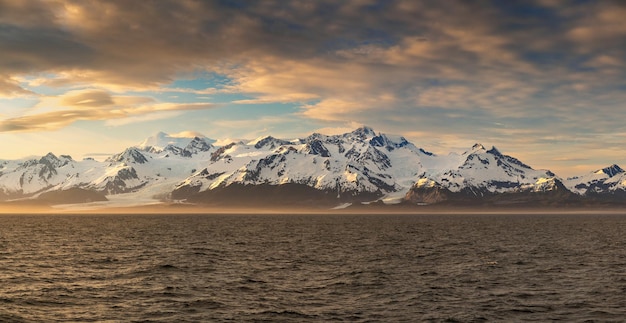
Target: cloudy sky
[543,80]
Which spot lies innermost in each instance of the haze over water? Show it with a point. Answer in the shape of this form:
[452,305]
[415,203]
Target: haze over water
[295,268]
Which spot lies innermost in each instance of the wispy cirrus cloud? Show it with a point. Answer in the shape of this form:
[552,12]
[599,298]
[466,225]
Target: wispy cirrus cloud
[58,119]
[53,113]
[10,88]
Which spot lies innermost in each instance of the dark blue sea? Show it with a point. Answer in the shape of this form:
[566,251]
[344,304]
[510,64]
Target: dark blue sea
[313,268]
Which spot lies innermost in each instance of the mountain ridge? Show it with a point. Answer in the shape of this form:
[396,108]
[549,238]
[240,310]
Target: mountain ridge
[361,166]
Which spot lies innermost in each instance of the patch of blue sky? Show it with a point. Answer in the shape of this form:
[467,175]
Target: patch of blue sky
[43,89]
[195,87]
[236,121]
[200,80]
[251,111]
[192,97]
[9,105]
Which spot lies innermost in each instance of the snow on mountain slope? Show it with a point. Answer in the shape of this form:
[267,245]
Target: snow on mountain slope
[30,177]
[154,171]
[610,179]
[352,163]
[479,171]
[33,175]
[358,163]
[161,140]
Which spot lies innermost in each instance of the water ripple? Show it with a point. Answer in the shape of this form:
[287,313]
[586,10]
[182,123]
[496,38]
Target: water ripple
[190,268]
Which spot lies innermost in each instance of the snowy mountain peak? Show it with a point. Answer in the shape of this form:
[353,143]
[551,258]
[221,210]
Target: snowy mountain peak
[267,141]
[364,132]
[198,144]
[316,147]
[494,151]
[359,165]
[427,153]
[53,161]
[611,170]
[49,157]
[389,142]
[477,146]
[161,140]
[260,139]
[611,180]
[130,155]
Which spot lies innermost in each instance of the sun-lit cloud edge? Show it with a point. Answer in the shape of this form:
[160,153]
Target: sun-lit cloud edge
[47,121]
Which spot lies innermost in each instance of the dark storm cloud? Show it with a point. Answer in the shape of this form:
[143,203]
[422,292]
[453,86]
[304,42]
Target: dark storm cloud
[31,50]
[113,35]
[129,39]
[34,13]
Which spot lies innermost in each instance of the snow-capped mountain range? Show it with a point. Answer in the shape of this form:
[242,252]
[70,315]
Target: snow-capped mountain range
[610,180]
[361,165]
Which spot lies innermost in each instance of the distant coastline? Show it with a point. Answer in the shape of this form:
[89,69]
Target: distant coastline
[178,208]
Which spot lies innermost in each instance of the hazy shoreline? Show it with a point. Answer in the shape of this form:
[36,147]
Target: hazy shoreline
[164,208]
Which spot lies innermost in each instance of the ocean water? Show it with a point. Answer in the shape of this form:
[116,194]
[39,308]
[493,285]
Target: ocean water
[312,268]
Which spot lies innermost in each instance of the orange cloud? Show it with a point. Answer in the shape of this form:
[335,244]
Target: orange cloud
[11,88]
[53,113]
